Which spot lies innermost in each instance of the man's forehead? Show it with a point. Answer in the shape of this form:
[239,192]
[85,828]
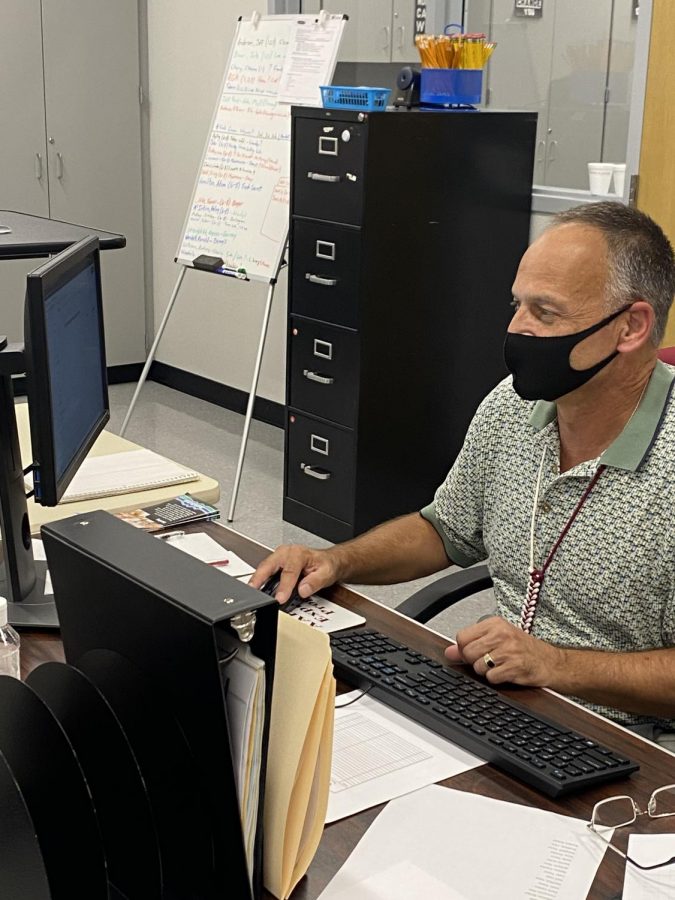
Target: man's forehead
[569,257]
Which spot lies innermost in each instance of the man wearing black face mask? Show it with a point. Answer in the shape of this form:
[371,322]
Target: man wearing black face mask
[565,483]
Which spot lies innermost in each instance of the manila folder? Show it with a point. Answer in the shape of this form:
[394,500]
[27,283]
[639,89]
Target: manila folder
[299,754]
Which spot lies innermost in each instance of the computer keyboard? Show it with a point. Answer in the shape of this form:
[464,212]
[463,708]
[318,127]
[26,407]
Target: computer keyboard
[474,715]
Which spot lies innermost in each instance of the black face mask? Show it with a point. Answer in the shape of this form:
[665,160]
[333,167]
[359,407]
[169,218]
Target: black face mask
[541,365]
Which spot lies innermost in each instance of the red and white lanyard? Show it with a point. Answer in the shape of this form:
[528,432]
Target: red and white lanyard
[536,576]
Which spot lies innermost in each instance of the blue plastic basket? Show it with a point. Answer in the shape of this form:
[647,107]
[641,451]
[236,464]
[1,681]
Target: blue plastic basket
[368,99]
[451,87]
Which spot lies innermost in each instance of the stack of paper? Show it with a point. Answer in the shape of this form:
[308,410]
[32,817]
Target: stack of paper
[124,473]
[299,755]
[244,681]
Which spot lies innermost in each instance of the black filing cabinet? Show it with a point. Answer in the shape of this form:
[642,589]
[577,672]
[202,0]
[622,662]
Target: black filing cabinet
[406,232]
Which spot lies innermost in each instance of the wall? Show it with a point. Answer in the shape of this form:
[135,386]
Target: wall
[214,327]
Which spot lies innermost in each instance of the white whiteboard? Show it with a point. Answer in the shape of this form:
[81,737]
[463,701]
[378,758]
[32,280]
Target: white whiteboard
[239,208]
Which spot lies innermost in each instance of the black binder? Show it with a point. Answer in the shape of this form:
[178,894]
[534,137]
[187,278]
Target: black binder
[138,715]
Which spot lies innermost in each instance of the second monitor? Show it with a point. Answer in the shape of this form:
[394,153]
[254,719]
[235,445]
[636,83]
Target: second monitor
[65,363]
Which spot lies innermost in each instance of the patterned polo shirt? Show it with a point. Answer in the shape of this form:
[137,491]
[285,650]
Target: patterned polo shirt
[611,585]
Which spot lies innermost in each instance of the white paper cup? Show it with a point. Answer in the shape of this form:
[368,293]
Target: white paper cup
[600,177]
[619,178]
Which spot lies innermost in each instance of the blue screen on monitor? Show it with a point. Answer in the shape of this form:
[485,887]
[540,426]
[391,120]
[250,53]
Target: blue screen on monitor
[76,379]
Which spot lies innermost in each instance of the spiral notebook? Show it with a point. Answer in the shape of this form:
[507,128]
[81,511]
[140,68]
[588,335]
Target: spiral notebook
[125,473]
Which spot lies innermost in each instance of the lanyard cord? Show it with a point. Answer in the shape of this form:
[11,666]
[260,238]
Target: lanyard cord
[536,576]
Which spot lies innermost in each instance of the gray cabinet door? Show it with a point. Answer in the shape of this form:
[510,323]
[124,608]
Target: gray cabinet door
[23,168]
[368,33]
[577,93]
[91,73]
[403,32]
[519,71]
[23,156]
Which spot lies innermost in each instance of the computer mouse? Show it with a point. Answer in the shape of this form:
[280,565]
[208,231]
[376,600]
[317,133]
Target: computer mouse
[270,587]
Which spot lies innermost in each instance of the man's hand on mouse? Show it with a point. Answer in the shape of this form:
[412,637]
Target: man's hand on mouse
[310,569]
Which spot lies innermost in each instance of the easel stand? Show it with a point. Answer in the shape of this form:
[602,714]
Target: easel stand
[210,266]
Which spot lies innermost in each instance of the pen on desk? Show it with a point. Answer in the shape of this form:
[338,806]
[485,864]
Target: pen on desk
[220,562]
[171,534]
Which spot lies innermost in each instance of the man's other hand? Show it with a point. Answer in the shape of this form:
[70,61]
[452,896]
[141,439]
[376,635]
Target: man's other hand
[518,657]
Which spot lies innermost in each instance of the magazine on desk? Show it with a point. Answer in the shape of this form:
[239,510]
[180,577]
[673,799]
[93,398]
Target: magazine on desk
[183,510]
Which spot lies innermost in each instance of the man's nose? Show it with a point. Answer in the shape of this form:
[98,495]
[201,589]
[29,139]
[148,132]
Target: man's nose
[522,322]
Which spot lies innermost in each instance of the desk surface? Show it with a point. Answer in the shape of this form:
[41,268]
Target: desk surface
[35,236]
[340,838]
[205,488]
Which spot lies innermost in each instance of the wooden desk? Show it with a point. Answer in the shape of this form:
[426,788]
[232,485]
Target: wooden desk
[657,767]
[205,488]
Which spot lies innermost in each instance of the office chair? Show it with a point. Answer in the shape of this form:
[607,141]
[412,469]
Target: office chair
[667,355]
[431,600]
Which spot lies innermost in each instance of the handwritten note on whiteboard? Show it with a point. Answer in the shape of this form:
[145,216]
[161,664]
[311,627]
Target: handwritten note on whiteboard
[239,208]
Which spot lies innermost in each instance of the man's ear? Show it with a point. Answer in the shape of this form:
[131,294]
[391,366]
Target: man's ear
[636,327]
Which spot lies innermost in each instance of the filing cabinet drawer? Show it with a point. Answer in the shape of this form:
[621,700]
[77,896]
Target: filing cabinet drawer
[320,466]
[324,371]
[325,272]
[328,170]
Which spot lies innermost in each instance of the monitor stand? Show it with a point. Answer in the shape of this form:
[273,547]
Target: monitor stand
[22,579]
[34,610]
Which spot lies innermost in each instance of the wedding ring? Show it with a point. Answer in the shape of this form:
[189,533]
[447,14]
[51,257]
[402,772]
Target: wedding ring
[489,661]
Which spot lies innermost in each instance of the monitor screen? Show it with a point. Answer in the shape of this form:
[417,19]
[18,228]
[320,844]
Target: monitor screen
[65,365]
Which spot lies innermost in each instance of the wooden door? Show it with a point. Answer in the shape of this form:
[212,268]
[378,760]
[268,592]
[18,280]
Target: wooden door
[656,186]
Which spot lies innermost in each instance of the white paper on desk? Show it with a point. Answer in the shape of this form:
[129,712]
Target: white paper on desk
[38,550]
[649,849]
[122,473]
[325,615]
[203,547]
[378,754]
[477,847]
[40,556]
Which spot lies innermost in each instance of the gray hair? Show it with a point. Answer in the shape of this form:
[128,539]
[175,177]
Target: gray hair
[640,257]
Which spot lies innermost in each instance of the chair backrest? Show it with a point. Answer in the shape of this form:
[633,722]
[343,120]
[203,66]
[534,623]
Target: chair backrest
[667,355]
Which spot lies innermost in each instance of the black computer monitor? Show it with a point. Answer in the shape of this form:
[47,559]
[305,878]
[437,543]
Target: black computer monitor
[64,360]
[65,365]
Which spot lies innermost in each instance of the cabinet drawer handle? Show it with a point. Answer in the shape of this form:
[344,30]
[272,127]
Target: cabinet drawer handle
[38,166]
[315,376]
[320,474]
[317,279]
[319,176]
[59,166]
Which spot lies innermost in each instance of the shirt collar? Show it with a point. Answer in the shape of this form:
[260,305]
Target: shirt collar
[631,447]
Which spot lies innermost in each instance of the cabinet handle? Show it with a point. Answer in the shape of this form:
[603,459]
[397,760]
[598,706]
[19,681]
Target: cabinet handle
[317,279]
[387,35]
[320,474]
[59,166]
[318,176]
[401,41]
[540,151]
[315,376]
[38,166]
[551,151]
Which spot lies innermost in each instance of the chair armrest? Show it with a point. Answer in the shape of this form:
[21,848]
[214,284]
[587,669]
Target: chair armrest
[429,601]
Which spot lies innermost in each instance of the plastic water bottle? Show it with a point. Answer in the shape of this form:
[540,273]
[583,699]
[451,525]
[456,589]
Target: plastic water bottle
[9,645]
